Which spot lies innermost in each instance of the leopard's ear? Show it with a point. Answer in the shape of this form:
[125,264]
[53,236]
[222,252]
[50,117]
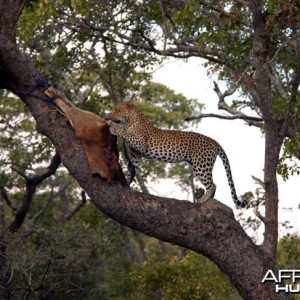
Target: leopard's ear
[129,103]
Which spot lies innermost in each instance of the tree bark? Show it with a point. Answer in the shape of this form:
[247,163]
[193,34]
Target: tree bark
[273,139]
[272,149]
[209,228]
[10,11]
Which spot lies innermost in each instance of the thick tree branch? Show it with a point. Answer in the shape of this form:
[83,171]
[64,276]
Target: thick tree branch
[10,11]
[31,184]
[13,75]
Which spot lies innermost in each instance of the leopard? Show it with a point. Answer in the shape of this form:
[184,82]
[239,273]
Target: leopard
[143,139]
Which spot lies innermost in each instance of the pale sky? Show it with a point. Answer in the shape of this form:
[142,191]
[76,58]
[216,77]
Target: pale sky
[243,144]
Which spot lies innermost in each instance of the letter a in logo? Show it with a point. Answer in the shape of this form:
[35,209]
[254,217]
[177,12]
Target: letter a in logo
[269,276]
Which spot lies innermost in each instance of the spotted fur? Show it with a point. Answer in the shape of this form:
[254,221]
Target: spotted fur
[145,140]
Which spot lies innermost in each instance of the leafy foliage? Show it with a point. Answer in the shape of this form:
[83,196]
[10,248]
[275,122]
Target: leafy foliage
[171,278]
[165,108]
[288,164]
[288,257]
[289,252]
[69,259]
[86,258]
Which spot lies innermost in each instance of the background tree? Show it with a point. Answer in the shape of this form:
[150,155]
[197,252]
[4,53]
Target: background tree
[267,75]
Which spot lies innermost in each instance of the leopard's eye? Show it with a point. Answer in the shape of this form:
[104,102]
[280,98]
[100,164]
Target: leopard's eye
[117,121]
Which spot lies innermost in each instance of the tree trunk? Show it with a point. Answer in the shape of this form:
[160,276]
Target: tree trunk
[272,150]
[273,139]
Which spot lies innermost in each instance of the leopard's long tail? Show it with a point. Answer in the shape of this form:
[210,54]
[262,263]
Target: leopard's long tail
[238,203]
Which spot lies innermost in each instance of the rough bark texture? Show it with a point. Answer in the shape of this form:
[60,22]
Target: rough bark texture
[273,141]
[10,13]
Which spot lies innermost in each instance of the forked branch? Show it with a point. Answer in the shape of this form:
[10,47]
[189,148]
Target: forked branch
[234,114]
[31,184]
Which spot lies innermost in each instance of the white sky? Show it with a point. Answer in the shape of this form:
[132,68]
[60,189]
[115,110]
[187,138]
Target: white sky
[244,145]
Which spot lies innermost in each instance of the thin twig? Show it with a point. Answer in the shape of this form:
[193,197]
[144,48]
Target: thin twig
[5,196]
[224,117]
[259,215]
[20,173]
[70,215]
[256,210]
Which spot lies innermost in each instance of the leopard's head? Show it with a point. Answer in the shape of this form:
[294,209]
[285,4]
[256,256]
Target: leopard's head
[122,117]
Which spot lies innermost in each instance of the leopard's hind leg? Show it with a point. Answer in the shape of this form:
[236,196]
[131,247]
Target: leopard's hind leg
[204,173]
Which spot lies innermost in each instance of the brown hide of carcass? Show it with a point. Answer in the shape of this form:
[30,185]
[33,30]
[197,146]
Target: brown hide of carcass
[93,132]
